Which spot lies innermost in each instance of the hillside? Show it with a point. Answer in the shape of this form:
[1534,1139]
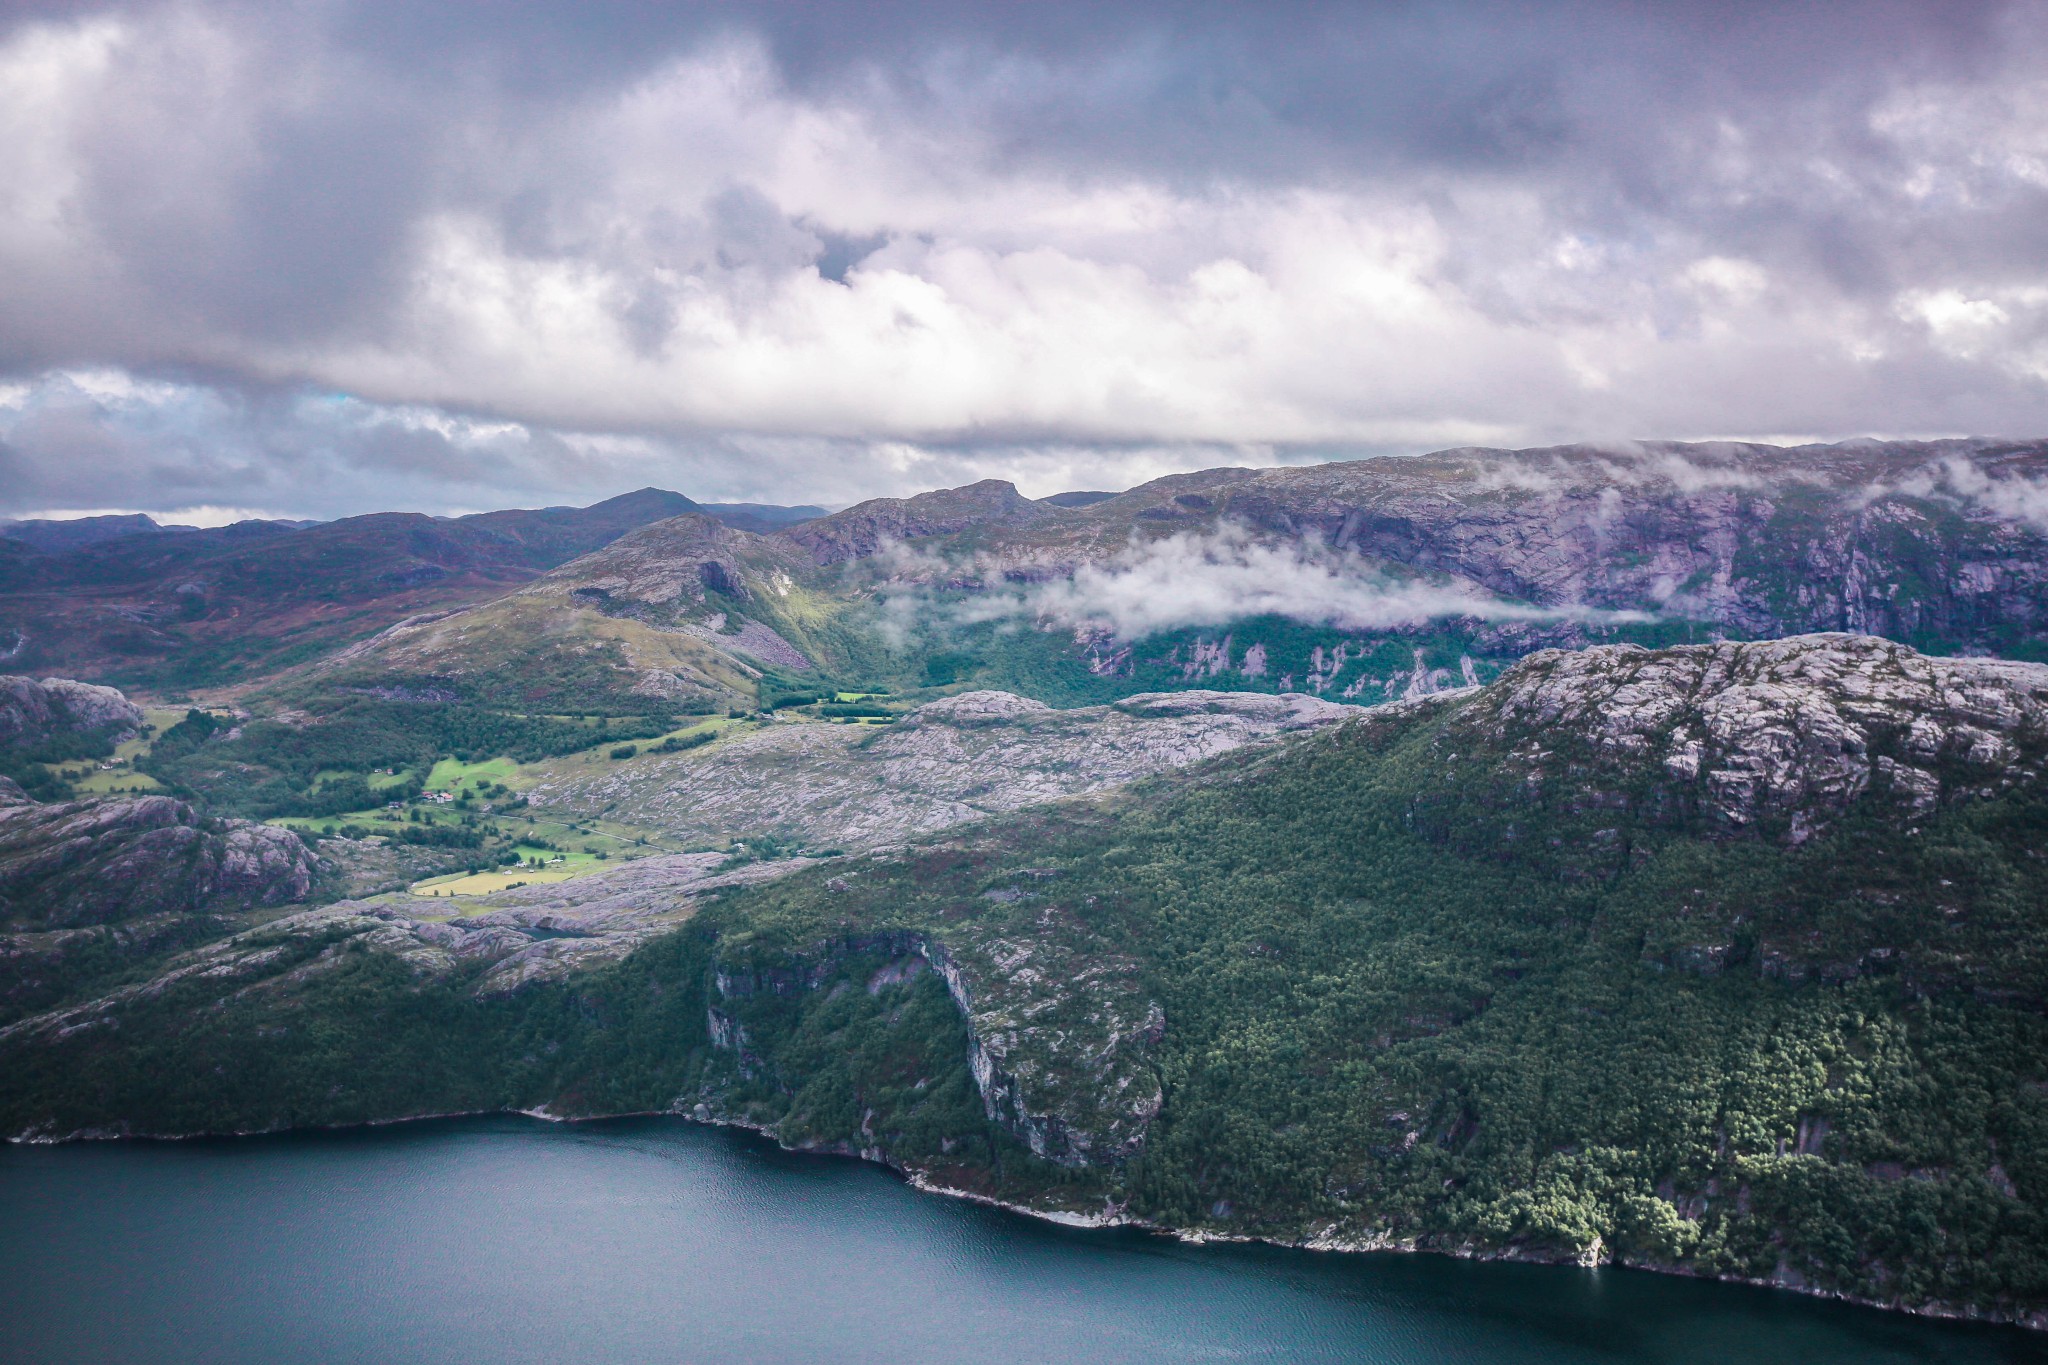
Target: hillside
[945,763]
[1726,959]
[201,607]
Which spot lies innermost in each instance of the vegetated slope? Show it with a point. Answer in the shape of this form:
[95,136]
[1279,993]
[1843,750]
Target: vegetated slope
[203,607]
[1726,959]
[686,611]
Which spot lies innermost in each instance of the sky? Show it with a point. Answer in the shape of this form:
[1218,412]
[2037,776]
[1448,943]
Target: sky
[320,258]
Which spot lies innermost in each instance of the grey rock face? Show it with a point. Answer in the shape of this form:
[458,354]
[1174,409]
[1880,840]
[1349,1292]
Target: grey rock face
[1785,733]
[949,761]
[31,711]
[94,862]
[1060,1036]
[1080,1087]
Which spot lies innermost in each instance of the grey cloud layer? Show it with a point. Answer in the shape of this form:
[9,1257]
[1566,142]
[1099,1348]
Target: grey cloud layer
[642,242]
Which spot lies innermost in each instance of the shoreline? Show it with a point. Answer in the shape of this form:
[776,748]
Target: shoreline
[917,1180]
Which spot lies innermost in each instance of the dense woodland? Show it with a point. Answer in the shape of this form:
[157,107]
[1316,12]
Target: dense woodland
[270,768]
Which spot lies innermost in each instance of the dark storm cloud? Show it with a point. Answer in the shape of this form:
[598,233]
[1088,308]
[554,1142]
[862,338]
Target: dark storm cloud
[952,239]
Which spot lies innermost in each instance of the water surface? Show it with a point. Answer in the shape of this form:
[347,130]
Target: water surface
[506,1239]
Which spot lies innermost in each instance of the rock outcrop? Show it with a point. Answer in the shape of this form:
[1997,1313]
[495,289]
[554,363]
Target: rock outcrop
[949,761]
[1779,737]
[95,862]
[32,711]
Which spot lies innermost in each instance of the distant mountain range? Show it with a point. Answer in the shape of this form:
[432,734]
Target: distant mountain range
[124,598]
[57,536]
[1358,581]
[1353,579]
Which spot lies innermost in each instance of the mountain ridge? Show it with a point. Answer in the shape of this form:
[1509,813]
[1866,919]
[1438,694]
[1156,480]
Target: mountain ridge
[207,606]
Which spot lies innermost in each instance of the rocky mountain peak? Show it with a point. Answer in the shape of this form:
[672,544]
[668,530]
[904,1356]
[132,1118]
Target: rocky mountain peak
[1779,735]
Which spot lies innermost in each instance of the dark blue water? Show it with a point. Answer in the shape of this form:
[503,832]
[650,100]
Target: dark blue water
[649,1240]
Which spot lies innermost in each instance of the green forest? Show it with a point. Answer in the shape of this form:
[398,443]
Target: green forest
[1723,1054]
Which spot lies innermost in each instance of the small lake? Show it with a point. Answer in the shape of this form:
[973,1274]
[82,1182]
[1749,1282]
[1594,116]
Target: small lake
[505,1239]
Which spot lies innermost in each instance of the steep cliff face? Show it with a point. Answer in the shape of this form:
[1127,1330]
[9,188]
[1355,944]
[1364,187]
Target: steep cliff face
[1061,1036]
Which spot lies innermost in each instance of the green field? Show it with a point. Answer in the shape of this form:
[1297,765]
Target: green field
[109,781]
[454,776]
[555,867]
[88,778]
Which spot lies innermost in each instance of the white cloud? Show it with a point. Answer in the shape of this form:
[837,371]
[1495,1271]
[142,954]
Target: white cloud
[623,276]
[2012,497]
[1216,577]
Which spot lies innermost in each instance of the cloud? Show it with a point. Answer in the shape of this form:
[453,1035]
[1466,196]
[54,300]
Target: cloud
[72,439]
[710,239]
[1213,578]
[2010,497]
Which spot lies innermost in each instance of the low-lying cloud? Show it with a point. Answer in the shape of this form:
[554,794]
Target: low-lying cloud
[2012,497]
[1962,483]
[1213,578]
